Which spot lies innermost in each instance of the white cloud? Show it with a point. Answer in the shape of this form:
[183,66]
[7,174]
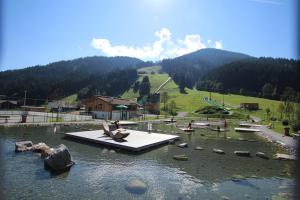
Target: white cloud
[163,47]
[218,44]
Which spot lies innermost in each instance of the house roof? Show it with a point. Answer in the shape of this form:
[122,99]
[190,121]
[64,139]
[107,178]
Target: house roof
[12,102]
[116,101]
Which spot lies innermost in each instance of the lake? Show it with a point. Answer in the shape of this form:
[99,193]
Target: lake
[101,172]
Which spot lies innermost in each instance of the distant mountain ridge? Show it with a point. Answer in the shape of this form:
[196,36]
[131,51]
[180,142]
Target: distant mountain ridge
[212,57]
[186,70]
[210,69]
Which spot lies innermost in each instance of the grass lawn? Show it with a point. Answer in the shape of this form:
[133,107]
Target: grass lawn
[193,99]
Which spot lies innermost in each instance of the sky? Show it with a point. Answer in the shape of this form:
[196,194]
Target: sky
[36,32]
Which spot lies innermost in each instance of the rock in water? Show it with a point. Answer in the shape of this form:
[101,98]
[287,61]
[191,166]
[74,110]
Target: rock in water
[40,147]
[242,153]
[180,157]
[219,151]
[182,145]
[47,153]
[136,186]
[23,146]
[261,155]
[199,148]
[59,160]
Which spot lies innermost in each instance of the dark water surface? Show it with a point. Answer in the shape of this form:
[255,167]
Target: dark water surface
[102,173]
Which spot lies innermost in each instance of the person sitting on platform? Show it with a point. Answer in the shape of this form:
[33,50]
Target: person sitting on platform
[190,125]
[117,123]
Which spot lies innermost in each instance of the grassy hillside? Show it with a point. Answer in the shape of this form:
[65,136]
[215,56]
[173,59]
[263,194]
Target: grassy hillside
[193,99]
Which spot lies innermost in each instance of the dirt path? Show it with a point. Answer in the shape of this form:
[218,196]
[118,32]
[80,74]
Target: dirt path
[285,141]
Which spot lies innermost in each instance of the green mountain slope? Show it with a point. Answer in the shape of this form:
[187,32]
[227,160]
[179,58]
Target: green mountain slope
[64,78]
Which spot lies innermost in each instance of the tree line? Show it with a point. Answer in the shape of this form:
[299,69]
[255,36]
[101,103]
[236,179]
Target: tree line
[86,76]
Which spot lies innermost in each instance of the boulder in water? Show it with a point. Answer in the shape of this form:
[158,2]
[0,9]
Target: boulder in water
[59,160]
[40,147]
[23,146]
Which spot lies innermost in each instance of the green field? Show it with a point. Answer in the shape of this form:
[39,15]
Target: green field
[193,99]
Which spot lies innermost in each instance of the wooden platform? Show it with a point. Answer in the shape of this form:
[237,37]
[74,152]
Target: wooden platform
[136,141]
[126,123]
[249,125]
[246,130]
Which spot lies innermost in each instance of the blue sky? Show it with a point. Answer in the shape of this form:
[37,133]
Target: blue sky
[39,32]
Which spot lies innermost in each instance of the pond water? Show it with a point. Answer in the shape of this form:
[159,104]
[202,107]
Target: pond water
[103,173]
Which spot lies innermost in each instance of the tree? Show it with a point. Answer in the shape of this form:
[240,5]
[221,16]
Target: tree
[280,109]
[268,113]
[267,90]
[172,108]
[145,87]
[136,86]
[164,99]
[287,97]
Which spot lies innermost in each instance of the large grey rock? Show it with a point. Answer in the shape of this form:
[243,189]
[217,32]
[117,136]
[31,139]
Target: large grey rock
[23,146]
[136,186]
[40,147]
[59,160]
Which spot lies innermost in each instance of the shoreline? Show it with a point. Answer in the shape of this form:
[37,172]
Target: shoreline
[285,141]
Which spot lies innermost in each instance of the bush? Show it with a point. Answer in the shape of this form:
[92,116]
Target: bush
[273,118]
[285,122]
[296,126]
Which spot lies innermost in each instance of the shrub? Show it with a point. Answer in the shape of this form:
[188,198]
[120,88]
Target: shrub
[296,126]
[285,122]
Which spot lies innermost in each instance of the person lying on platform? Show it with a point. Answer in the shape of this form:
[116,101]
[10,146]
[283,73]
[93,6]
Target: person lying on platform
[117,134]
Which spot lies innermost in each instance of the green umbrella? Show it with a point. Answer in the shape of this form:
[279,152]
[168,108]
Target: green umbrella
[122,107]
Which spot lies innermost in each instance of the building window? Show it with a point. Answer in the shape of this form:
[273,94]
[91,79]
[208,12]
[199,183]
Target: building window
[98,106]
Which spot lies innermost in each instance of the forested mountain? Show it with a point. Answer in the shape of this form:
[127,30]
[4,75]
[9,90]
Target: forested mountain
[186,70]
[266,77]
[63,78]
[207,69]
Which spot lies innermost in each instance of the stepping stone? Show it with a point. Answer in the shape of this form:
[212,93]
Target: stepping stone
[180,157]
[262,155]
[242,153]
[219,151]
[199,148]
[280,156]
[182,145]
